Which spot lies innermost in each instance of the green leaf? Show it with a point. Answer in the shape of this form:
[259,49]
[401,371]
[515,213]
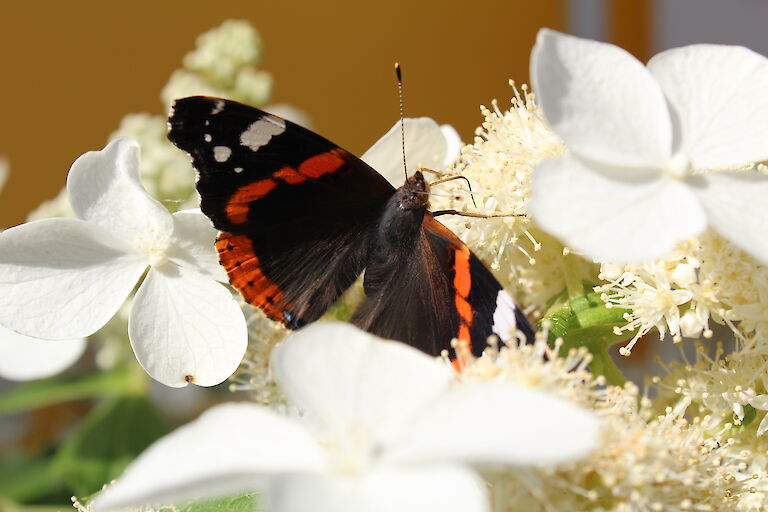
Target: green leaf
[112,435]
[36,394]
[586,321]
[245,503]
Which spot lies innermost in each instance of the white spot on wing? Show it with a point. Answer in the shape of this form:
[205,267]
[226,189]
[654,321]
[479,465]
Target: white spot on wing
[207,137]
[504,321]
[238,170]
[260,132]
[217,107]
[221,153]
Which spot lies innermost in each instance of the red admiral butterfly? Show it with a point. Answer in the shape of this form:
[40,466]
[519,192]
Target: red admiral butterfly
[301,218]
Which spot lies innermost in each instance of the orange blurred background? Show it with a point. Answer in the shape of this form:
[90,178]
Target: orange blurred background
[74,69]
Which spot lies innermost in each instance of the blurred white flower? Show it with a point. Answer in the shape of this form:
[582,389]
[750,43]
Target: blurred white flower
[26,358]
[383,427]
[3,172]
[633,184]
[65,278]
[224,65]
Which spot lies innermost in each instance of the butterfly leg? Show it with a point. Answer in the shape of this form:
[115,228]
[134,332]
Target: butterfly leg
[477,215]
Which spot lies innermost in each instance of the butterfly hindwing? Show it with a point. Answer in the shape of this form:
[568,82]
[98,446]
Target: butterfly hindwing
[295,210]
[439,292]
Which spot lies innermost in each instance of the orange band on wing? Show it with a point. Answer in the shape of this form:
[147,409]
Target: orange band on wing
[324,163]
[464,309]
[290,175]
[238,205]
[462,279]
[462,282]
[237,256]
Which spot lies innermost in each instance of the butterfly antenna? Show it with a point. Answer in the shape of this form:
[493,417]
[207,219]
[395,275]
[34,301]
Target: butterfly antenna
[451,178]
[399,74]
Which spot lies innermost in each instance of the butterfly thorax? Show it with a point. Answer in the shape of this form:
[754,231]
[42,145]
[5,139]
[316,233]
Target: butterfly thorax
[401,218]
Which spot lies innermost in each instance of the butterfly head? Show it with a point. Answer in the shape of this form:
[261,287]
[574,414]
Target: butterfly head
[414,194]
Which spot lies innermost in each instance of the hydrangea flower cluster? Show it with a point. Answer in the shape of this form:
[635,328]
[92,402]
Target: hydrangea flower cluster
[640,211]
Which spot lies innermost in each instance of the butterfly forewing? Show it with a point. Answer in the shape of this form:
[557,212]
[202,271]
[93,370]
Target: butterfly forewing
[294,209]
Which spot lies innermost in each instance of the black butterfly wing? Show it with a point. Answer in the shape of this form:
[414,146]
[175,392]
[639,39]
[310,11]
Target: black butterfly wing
[295,210]
[484,307]
[437,293]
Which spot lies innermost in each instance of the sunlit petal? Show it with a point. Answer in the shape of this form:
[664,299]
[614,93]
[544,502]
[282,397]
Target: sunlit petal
[186,328]
[634,216]
[497,424]
[737,207]
[63,278]
[192,245]
[600,100]
[104,188]
[717,97]
[340,376]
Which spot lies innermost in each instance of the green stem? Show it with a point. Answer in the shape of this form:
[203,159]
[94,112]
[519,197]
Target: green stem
[572,275]
[34,395]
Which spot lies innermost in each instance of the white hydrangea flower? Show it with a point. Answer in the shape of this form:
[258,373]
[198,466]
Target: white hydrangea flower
[633,184]
[383,427]
[65,278]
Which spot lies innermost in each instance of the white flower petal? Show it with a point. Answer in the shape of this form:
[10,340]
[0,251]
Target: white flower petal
[600,100]
[341,376]
[759,402]
[717,98]
[104,188]
[425,145]
[443,489]
[634,218]
[63,278]
[193,244]
[227,450]
[737,206]
[763,425]
[497,424]
[25,358]
[186,328]
[453,144]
